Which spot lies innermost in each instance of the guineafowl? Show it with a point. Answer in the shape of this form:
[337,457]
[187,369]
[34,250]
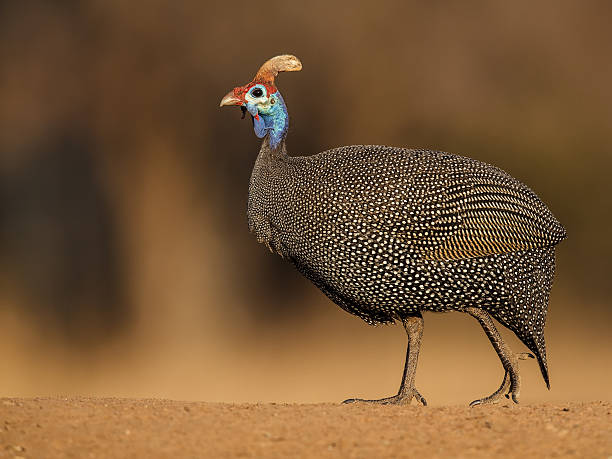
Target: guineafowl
[387,233]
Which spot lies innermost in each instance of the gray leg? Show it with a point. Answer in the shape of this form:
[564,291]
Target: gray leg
[414,329]
[509,360]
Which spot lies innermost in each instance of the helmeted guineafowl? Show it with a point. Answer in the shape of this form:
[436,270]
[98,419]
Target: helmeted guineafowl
[387,233]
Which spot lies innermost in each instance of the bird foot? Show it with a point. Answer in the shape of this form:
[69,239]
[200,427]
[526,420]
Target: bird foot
[511,383]
[403,398]
[497,395]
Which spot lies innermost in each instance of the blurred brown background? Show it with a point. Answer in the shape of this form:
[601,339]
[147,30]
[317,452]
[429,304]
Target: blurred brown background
[126,266]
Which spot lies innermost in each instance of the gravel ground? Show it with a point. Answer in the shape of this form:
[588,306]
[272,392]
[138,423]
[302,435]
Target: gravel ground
[92,428]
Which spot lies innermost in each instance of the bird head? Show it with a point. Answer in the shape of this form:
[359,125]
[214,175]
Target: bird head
[261,98]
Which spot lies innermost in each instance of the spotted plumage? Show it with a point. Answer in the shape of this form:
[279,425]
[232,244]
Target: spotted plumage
[387,233]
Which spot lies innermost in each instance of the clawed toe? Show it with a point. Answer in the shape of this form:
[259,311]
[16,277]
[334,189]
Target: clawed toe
[496,396]
[399,399]
[525,356]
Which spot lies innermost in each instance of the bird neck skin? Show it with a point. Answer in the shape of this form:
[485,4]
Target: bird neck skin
[272,155]
[273,121]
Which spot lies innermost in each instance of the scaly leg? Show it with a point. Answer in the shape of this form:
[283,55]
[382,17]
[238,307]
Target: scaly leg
[414,329]
[509,360]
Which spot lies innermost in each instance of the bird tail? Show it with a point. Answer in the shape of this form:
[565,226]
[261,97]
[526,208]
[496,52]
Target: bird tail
[530,282]
[538,347]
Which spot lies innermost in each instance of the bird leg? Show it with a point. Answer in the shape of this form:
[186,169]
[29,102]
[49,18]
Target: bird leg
[414,329]
[509,360]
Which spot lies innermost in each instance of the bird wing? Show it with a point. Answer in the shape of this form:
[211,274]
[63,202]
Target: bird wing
[480,210]
[434,205]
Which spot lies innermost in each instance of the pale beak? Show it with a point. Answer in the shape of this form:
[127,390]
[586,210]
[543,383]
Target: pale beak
[230,99]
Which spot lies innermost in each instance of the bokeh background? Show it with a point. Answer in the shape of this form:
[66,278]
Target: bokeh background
[126,266]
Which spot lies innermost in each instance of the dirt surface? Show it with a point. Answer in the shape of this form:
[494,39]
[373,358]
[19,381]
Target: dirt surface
[84,427]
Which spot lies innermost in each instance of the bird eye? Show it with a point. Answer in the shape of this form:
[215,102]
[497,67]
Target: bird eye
[257,92]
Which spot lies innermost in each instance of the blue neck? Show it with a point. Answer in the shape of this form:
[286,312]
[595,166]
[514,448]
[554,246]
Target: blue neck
[274,122]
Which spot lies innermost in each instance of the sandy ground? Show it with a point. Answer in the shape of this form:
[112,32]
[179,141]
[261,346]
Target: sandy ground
[85,427]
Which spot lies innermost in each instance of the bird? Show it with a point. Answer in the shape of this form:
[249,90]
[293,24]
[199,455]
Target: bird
[388,233]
